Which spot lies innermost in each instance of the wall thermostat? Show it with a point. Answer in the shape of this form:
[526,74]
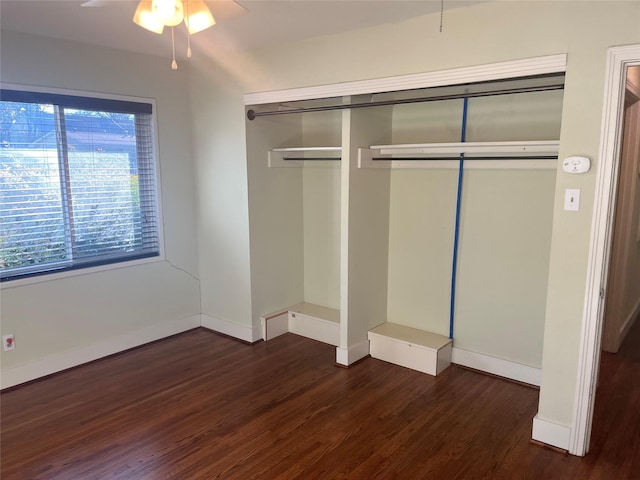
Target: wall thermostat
[576,164]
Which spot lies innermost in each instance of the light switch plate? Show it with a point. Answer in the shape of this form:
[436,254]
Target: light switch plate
[572,199]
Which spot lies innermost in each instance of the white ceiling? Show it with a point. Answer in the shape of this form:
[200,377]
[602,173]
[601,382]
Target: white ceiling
[258,24]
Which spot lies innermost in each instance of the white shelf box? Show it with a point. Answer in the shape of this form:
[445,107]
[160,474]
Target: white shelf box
[410,347]
[316,322]
[304,319]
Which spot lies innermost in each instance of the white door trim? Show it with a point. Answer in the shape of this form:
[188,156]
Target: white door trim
[618,59]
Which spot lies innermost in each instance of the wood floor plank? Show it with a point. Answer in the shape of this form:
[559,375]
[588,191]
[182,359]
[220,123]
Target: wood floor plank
[203,406]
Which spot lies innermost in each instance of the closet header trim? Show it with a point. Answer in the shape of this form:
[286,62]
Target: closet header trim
[495,71]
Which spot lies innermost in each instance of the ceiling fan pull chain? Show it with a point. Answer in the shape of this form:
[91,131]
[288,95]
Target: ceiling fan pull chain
[186,21]
[174,65]
[441,14]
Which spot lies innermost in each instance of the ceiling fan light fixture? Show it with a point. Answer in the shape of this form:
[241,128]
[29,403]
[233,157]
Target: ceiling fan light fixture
[145,17]
[168,12]
[154,15]
[198,17]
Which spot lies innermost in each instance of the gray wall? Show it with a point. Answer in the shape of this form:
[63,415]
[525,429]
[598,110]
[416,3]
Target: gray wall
[65,321]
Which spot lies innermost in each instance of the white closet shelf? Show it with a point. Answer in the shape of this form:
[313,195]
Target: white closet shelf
[299,156]
[533,154]
[534,147]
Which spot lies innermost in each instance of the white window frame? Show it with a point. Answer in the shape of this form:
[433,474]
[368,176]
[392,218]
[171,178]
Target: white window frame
[57,275]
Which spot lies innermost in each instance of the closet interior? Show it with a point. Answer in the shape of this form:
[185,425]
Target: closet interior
[411,225]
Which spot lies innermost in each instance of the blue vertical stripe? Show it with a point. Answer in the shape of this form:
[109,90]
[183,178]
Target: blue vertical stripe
[456,232]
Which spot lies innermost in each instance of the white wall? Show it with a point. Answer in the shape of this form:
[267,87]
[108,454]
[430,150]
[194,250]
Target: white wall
[219,148]
[503,263]
[631,149]
[58,323]
[321,212]
[485,33]
[321,225]
[622,304]
[504,234]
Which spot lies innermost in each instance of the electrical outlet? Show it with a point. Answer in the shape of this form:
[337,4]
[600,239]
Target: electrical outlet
[8,342]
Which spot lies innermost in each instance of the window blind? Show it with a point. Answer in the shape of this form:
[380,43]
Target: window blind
[77,183]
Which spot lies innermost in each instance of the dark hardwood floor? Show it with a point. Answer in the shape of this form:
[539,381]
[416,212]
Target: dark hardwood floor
[202,406]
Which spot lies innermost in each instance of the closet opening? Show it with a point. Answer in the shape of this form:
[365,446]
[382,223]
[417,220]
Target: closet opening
[362,226]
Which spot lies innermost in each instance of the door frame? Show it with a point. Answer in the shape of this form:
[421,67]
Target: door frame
[618,59]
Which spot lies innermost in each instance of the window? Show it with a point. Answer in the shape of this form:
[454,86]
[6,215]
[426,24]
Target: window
[77,183]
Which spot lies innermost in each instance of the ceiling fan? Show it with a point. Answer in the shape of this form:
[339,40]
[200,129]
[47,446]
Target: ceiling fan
[154,15]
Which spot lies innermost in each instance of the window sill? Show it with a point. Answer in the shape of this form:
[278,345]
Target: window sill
[50,277]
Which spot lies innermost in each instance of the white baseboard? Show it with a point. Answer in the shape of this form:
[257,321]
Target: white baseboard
[62,361]
[236,330]
[348,356]
[551,433]
[496,366]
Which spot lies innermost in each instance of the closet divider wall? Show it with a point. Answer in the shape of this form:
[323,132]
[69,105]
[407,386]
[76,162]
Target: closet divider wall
[377,249]
[365,227]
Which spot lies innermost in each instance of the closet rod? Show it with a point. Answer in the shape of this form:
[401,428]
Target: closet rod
[252,114]
[457,157]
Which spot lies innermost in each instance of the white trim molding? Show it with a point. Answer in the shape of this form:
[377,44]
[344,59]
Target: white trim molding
[618,59]
[455,76]
[496,366]
[72,358]
[349,356]
[550,433]
[232,329]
